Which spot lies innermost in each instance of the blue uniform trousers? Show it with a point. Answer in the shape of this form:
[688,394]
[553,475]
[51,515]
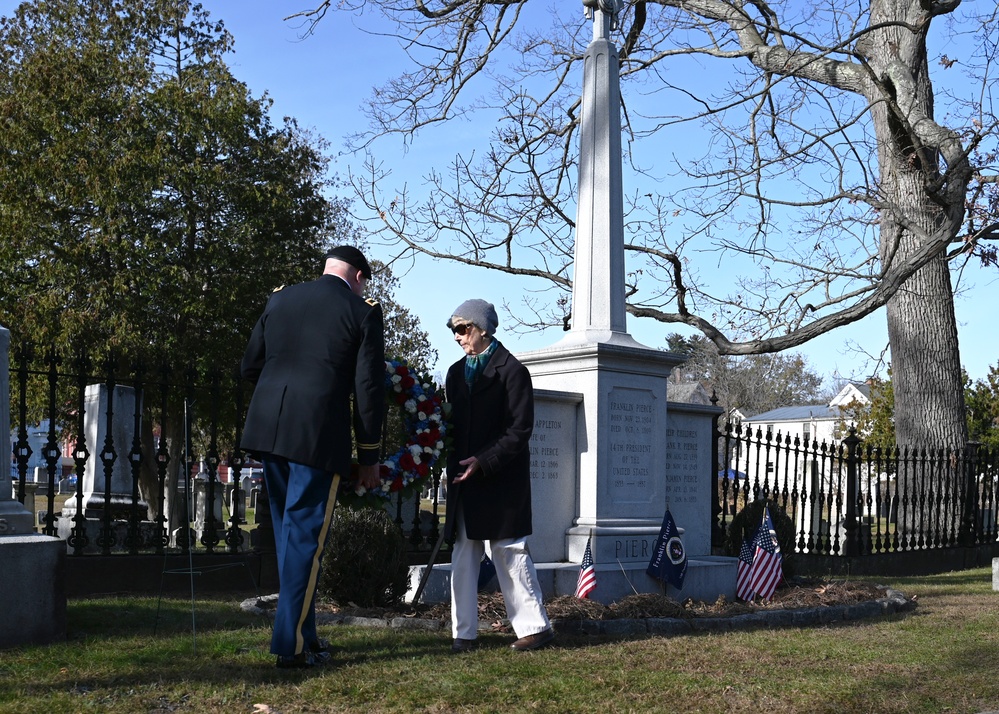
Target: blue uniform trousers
[302,500]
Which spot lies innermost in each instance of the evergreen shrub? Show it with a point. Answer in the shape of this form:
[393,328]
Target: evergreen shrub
[744,525]
[365,559]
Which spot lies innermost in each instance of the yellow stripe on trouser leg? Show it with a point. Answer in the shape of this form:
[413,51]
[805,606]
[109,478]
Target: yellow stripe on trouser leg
[310,589]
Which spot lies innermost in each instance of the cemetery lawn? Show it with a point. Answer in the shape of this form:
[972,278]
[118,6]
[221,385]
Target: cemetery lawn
[940,657]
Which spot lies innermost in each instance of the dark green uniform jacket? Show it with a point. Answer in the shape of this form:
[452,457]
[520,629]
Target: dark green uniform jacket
[315,345]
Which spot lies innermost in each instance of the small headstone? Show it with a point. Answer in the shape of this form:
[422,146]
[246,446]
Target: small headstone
[103,442]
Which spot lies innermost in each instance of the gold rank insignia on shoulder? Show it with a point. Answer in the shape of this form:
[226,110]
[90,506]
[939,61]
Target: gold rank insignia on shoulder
[371,302]
[278,288]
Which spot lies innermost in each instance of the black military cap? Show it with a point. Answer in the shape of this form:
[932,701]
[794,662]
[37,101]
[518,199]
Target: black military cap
[352,256]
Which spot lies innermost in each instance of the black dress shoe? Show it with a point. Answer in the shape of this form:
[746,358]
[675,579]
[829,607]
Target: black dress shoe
[534,642]
[460,646]
[323,645]
[304,660]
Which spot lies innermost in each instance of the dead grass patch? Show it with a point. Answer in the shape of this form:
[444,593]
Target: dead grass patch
[798,595]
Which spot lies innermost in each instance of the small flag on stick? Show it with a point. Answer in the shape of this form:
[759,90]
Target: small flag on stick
[760,563]
[742,589]
[587,581]
[669,559]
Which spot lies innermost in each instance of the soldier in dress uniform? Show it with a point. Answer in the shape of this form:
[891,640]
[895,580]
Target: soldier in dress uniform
[316,344]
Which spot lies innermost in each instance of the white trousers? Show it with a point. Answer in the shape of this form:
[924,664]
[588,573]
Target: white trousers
[517,577]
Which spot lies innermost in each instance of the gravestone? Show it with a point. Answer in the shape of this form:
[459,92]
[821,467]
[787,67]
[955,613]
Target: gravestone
[107,475]
[104,488]
[201,506]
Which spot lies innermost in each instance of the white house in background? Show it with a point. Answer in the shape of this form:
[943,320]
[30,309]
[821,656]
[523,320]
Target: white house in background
[802,472]
[812,422]
[38,438]
[688,393]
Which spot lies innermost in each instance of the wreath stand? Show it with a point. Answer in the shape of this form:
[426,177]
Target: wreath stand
[190,570]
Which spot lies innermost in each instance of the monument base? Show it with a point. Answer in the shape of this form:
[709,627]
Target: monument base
[149,531]
[94,505]
[32,590]
[15,519]
[707,578]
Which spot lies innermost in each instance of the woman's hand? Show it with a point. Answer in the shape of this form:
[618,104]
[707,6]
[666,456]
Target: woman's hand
[471,465]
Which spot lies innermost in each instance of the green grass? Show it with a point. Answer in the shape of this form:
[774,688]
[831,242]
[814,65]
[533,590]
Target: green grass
[939,658]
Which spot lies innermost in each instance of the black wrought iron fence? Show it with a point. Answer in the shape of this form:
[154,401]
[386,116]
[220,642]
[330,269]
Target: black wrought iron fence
[182,470]
[853,499]
[166,474]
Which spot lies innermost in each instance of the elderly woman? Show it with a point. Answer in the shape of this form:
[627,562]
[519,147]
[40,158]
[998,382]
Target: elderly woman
[489,480]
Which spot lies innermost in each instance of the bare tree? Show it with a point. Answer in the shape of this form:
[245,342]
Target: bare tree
[824,177]
[751,384]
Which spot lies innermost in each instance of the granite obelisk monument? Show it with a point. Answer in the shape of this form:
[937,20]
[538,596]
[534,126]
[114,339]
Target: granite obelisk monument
[598,305]
[605,457]
[623,439]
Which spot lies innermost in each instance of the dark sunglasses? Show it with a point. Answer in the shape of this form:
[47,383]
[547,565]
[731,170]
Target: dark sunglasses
[461,329]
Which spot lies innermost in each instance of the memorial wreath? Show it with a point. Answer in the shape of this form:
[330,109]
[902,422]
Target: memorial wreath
[407,468]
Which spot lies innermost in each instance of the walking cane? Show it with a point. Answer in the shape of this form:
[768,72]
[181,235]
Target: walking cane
[433,558]
[430,566]
[336,493]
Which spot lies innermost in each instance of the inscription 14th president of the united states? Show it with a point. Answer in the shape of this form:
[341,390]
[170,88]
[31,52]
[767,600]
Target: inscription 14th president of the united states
[632,426]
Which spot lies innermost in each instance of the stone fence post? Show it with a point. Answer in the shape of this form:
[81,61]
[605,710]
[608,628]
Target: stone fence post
[32,589]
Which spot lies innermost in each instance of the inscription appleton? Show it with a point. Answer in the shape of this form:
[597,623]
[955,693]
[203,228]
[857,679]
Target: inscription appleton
[545,449]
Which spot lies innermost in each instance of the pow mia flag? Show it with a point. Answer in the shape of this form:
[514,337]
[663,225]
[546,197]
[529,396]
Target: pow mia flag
[669,559]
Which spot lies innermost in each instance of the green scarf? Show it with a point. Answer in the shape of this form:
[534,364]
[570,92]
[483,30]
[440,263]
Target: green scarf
[476,364]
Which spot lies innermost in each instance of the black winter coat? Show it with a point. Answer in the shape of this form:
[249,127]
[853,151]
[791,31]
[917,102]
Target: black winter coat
[315,344]
[494,422]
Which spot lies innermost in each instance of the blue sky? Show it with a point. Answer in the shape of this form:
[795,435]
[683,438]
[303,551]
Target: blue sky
[322,82]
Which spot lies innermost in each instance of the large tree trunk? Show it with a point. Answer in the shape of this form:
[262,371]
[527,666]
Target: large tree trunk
[926,365]
[922,328]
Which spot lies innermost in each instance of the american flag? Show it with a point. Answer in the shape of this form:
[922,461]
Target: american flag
[767,559]
[742,589]
[587,576]
[759,563]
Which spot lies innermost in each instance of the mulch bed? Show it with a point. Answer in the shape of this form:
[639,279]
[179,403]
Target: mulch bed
[796,595]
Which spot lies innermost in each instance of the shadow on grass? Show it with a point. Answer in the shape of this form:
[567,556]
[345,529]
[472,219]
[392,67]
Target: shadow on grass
[112,646]
[130,615]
